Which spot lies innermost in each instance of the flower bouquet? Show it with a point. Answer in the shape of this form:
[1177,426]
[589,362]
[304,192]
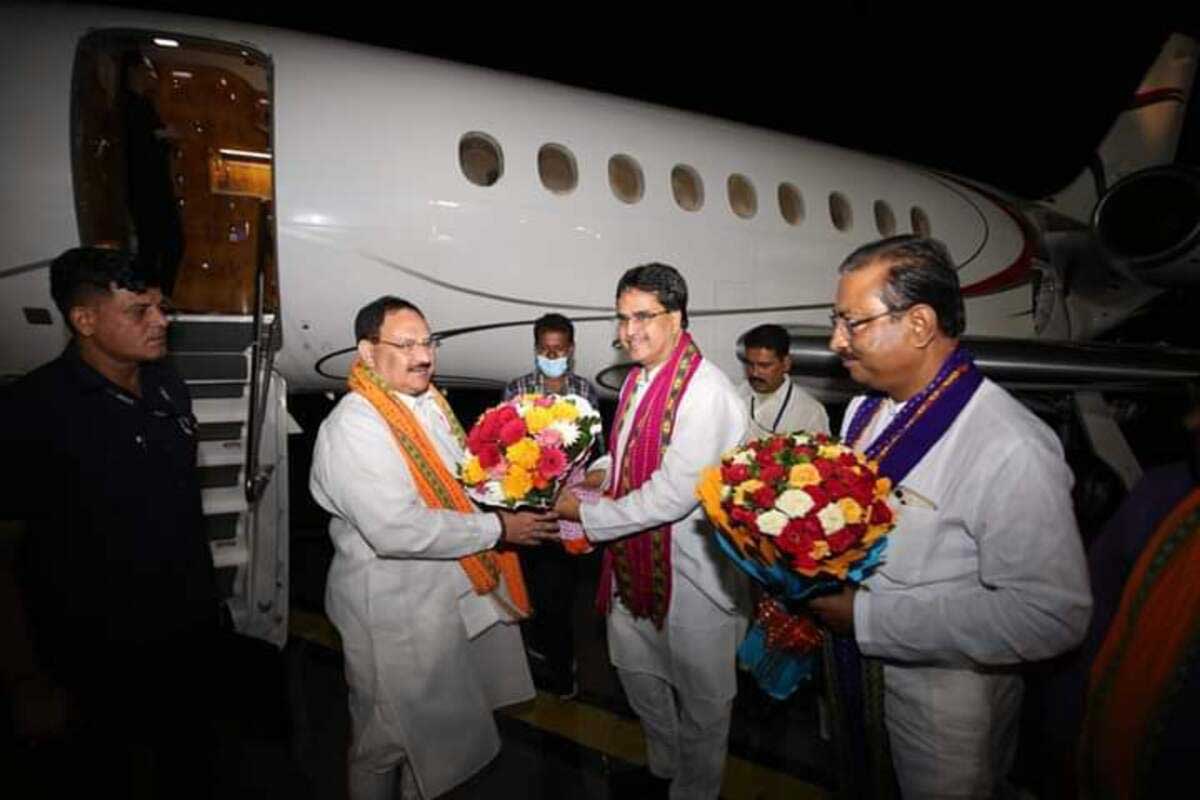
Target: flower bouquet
[800,513]
[522,452]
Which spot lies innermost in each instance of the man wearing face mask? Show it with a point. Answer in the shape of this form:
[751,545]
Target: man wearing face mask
[551,571]
[554,350]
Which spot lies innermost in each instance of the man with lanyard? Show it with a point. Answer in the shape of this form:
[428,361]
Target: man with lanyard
[774,402]
[985,569]
[676,608]
[117,616]
[422,598]
[551,572]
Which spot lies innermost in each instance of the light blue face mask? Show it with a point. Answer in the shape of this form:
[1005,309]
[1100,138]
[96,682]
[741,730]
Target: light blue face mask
[552,367]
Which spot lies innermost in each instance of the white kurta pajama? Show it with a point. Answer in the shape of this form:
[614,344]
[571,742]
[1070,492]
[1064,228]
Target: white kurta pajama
[798,411]
[686,731]
[984,570]
[427,659]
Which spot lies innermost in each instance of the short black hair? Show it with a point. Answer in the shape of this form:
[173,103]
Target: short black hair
[369,318]
[553,322]
[920,271]
[88,271]
[771,337]
[661,280]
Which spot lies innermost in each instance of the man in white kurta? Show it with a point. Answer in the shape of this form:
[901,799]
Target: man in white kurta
[985,569]
[427,659]
[681,679]
[774,402]
[982,572]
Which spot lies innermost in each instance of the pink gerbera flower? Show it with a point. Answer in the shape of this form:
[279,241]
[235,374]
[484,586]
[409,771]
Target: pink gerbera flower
[552,463]
[548,437]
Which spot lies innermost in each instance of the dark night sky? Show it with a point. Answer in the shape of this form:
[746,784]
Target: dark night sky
[1018,104]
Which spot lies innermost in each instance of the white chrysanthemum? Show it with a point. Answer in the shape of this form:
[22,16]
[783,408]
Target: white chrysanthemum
[794,503]
[569,431]
[772,522]
[832,519]
[726,491]
[744,457]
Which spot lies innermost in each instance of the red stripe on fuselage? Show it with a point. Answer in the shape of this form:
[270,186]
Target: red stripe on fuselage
[1020,271]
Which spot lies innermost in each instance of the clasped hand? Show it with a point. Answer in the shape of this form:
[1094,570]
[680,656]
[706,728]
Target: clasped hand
[527,528]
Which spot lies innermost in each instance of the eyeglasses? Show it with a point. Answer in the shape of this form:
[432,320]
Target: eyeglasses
[640,317]
[836,320]
[410,345]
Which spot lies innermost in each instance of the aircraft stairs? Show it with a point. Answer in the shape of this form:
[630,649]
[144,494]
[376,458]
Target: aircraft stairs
[240,404]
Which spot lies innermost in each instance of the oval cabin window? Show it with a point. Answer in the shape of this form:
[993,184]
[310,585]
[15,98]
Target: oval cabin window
[920,222]
[742,198]
[481,159]
[885,220]
[687,187]
[556,168]
[840,213]
[625,178]
[791,204]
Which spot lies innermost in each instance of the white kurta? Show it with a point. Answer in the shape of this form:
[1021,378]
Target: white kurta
[798,412]
[426,659]
[706,617]
[984,570]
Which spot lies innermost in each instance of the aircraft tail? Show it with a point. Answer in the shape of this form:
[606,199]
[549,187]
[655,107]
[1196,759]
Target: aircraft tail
[1145,135]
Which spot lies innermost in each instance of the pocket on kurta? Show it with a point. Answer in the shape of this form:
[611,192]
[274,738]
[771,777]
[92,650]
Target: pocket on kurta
[911,543]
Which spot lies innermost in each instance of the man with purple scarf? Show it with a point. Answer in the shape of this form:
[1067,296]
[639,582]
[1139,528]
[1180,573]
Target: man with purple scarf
[676,607]
[984,570]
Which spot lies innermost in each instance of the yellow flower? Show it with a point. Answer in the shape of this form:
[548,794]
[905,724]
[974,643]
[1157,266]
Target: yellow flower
[744,488]
[516,483]
[851,510]
[537,418]
[472,472]
[709,491]
[804,475]
[830,451]
[524,453]
[883,487]
[564,411]
[820,549]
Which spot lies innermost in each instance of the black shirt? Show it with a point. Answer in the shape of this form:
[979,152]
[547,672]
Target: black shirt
[115,554]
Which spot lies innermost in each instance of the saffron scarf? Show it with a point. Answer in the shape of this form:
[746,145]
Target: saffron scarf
[855,683]
[1144,660]
[487,570]
[640,565]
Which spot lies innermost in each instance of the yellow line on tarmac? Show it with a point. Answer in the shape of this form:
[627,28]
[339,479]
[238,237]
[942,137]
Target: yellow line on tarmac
[621,738]
[604,731]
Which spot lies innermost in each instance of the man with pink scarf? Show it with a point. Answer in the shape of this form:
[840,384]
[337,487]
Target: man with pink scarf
[676,608]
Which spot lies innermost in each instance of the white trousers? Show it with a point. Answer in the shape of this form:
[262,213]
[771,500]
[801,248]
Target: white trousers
[366,784]
[686,737]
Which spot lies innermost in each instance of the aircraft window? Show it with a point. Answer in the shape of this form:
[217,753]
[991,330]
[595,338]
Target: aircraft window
[687,187]
[742,198]
[556,168]
[885,220]
[791,204]
[481,159]
[625,178]
[840,212]
[920,222]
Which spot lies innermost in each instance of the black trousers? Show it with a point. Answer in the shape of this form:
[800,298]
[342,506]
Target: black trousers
[551,575]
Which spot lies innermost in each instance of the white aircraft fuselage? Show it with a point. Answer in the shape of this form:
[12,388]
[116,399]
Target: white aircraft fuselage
[370,198]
